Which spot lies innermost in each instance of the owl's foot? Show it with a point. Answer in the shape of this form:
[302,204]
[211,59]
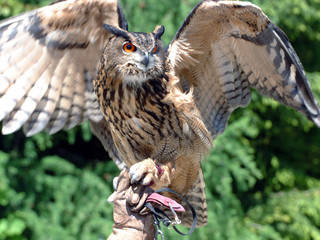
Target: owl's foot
[148,173]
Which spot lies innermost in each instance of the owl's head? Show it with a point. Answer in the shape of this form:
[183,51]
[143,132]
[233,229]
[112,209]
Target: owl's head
[136,56]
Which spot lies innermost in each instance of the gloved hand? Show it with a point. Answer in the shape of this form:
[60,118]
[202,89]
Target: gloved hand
[129,223]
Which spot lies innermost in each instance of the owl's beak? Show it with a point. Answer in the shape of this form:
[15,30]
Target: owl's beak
[145,60]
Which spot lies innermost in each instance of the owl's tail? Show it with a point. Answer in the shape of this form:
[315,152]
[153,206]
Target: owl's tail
[196,196]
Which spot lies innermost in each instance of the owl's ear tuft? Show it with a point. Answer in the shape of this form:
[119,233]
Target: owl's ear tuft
[116,31]
[158,31]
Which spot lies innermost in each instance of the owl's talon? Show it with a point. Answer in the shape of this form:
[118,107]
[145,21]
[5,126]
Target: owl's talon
[115,182]
[134,178]
[147,180]
[144,172]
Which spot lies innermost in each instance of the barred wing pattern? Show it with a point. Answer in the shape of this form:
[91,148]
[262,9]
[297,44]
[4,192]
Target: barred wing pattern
[48,60]
[224,48]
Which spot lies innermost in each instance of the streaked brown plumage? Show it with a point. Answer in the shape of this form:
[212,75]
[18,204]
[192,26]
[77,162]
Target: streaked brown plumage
[156,103]
[151,119]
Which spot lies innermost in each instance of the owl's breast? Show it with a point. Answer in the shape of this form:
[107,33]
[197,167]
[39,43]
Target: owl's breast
[144,124]
[163,137]
[140,137]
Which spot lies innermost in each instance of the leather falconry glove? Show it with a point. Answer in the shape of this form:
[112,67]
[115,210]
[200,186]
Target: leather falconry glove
[131,221]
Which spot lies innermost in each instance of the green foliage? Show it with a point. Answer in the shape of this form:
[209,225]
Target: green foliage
[293,215]
[134,11]
[50,196]
[14,7]
[263,176]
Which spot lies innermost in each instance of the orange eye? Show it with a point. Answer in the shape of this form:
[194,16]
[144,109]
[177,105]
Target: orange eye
[155,49]
[129,47]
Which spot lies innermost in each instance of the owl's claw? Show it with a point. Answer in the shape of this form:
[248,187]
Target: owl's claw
[144,173]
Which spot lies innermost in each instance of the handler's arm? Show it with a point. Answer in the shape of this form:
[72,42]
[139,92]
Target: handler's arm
[129,224]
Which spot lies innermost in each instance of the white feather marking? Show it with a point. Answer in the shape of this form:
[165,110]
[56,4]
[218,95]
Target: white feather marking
[292,76]
[274,43]
[16,59]
[273,53]
[134,80]
[186,129]
[317,121]
[180,52]
[22,85]
[16,119]
[292,80]
[76,112]
[5,83]
[92,111]
[282,67]
[6,33]
[60,115]
[40,118]
[137,122]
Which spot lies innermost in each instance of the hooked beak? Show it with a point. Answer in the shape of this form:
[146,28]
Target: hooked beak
[145,60]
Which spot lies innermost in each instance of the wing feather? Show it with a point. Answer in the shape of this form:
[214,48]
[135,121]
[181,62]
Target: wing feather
[17,90]
[45,56]
[61,113]
[93,109]
[14,68]
[27,105]
[46,107]
[76,112]
[225,48]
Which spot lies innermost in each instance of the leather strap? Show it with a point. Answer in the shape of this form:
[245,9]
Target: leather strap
[160,216]
[165,201]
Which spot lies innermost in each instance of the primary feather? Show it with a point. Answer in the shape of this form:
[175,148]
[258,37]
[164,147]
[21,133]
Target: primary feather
[46,48]
[48,59]
[224,49]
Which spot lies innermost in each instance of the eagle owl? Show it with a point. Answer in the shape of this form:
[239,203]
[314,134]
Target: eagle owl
[155,109]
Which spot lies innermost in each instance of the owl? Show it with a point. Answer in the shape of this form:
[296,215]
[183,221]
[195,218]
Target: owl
[155,109]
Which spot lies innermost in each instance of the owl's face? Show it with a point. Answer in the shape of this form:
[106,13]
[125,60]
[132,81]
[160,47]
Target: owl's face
[138,57]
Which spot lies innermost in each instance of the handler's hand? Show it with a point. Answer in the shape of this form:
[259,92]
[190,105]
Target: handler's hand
[128,206]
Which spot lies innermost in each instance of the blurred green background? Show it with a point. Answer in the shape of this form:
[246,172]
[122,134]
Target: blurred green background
[263,176]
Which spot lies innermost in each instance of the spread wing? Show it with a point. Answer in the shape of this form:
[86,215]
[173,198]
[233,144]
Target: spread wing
[224,48]
[48,60]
